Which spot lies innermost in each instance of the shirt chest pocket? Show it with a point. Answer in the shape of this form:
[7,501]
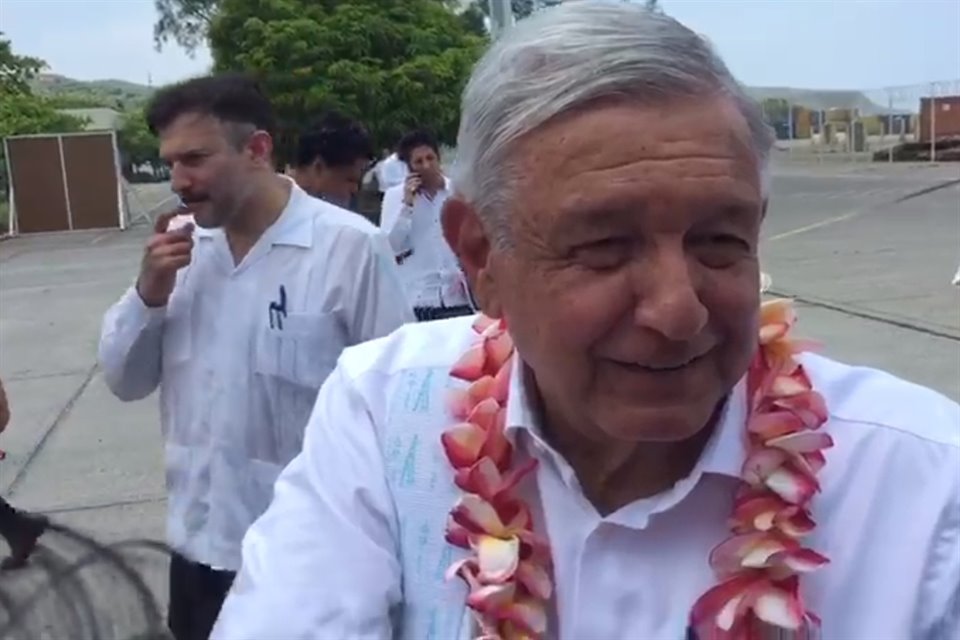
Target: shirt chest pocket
[301,348]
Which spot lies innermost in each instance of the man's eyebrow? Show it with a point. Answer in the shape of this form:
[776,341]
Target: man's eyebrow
[593,218]
[581,216]
[185,153]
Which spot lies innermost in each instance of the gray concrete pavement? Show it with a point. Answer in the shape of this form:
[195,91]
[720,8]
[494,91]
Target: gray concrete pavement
[876,272]
[874,278]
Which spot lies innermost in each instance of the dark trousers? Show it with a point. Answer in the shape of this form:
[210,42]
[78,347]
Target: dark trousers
[197,593]
[9,519]
[425,314]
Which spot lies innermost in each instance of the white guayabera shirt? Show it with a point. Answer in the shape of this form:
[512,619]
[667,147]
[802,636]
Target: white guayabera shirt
[391,171]
[352,545]
[239,353]
[429,269]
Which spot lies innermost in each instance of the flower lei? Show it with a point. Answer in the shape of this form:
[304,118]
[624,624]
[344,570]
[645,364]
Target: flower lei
[757,566]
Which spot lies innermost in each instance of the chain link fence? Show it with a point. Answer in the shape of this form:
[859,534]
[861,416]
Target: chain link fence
[915,123]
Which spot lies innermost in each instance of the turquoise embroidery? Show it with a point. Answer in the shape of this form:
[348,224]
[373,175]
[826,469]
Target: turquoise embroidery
[409,474]
[423,546]
[423,490]
[422,402]
[432,625]
[393,453]
[446,559]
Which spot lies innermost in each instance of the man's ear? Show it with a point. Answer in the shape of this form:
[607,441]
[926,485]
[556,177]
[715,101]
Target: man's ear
[467,237]
[260,147]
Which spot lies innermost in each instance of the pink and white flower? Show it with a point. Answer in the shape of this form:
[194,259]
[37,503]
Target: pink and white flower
[757,566]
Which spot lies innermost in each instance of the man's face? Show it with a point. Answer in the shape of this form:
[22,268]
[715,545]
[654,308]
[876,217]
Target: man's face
[210,171]
[632,286]
[333,184]
[425,161]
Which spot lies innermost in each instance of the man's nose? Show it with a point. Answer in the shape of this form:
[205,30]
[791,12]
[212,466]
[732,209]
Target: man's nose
[667,296]
[180,180]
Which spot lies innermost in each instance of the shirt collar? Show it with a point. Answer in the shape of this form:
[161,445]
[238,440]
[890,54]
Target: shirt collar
[723,455]
[292,228]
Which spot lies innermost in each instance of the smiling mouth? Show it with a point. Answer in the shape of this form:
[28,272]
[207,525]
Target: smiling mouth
[662,367]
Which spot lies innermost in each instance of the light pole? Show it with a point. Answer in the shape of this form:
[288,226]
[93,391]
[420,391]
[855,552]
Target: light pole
[501,17]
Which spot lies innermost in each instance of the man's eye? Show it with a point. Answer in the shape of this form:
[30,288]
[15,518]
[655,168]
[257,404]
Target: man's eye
[720,250]
[603,254]
[192,159]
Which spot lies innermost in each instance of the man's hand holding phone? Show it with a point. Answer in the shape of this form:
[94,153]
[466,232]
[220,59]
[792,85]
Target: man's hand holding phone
[411,188]
[167,252]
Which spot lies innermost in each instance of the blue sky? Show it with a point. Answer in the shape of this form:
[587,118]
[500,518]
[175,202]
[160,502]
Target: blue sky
[827,44]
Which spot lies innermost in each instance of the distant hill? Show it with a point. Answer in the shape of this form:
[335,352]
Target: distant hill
[120,95]
[80,94]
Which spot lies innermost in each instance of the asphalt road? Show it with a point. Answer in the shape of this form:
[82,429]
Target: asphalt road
[872,275]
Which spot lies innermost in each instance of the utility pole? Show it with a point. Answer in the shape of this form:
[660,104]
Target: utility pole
[501,17]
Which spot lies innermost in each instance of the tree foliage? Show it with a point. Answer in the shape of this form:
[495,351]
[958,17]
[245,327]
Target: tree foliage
[138,146]
[392,64]
[22,112]
[16,72]
[186,22]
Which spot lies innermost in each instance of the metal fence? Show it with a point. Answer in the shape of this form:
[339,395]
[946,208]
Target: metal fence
[909,123]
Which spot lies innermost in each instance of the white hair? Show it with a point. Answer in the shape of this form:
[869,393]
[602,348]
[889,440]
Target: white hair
[562,58]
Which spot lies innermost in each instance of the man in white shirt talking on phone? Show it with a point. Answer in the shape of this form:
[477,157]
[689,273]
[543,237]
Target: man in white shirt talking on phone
[410,216]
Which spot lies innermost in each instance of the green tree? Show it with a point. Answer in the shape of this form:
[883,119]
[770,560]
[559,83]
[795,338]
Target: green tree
[16,72]
[21,112]
[137,144]
[186,22]
[393,64]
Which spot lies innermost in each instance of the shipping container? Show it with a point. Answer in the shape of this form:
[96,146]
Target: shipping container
[939,116]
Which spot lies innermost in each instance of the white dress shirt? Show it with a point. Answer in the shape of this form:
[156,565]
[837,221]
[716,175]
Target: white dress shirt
[237,380]
[391,171]
[430,270]
[353,544]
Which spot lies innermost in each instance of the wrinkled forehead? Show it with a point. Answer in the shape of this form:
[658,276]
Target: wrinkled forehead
[193,132]
[692,150]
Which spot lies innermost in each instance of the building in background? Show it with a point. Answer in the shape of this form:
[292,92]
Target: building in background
[940,115]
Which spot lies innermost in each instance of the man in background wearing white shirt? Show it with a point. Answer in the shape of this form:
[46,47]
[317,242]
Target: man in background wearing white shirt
[239,313]
[391,171]
[331,158]
[627,445]
[410,216]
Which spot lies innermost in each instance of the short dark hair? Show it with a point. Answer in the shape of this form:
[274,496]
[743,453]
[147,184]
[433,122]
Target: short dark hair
[336,140]
[230,97]
[414,139]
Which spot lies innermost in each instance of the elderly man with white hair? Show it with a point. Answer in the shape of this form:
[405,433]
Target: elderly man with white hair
[626,443]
